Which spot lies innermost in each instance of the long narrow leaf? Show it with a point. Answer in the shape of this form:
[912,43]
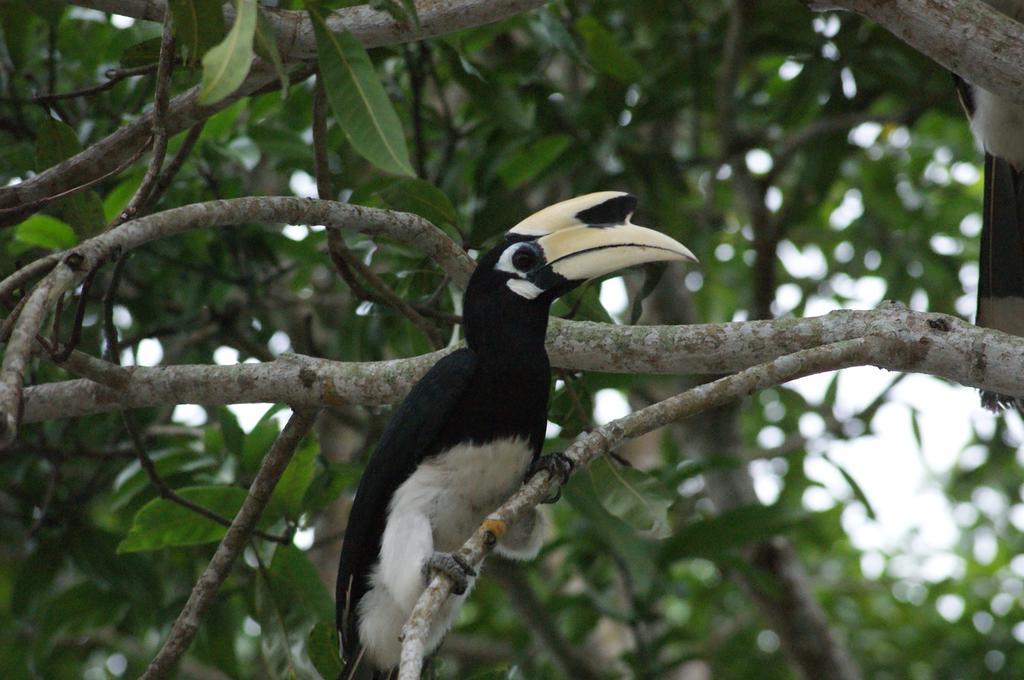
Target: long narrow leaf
[227,64]
[198,25]
[358,100]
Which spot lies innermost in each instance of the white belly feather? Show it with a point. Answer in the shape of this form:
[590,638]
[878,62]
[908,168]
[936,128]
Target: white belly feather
[998,125]
[436,509]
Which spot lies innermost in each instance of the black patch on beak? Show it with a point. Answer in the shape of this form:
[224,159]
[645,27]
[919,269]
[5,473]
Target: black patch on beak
[613,211]
[547,279]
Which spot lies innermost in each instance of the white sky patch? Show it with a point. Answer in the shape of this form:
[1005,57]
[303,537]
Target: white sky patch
[302,184]
[304,538]
[803,264]
[251,627]
[865,135]
[295,232]
[759,161]
[250,414]
[552,430]
[899,138]
[149,353]
[120,21]
[970,226]
[773,198]
[192,415]
[790,69]
[827,26]
[767,483]
[279,343]
[122,317]
[942,244]
[609,405]
[246,152]
[225,356]
[614,297]
[849,83]
[849,210]
[694,281]
[84,14]
[965,173]
[787,297]
[117,664]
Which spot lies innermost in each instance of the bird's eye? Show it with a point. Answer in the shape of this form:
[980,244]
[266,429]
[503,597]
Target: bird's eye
[524,259]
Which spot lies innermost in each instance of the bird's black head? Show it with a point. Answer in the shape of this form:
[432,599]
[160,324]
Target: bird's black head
[547,255]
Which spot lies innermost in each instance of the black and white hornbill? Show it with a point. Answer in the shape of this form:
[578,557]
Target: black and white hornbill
[471,429]
[998,126]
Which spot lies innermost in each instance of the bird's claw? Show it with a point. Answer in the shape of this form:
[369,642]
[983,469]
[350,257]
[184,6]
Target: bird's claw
[559,466]
[452,566]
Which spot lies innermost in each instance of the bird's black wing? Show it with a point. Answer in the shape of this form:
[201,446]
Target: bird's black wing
[409,437]
[1001,280]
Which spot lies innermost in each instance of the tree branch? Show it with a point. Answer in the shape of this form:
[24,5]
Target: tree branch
[920,342]
[187,623]
[605,439]
[968,37]
[373,27]
[77,262]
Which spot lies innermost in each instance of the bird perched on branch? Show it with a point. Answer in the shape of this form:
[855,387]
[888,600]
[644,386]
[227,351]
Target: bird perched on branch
[998,126]
[471,429]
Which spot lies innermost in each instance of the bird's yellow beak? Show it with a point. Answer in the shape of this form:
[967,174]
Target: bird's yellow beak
[590,236]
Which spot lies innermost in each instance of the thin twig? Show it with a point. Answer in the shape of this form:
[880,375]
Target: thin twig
[185,626]
[111,350]
[113,75]
[172,169]
[76,329]
[160,97]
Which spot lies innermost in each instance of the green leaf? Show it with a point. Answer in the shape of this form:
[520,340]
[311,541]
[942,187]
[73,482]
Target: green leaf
[635,551]
[605,53]
[420,197]
[50,11]
[322,646]
[858,492]
[133,479]
[523,166]
[162,523]
[16,23]
[234,437]
[653,271]
[328,485]
[291,488]
[141,53]
[55,141]
[44,231]
[198,25]
[266,48]
[117,199]
[83,210]
[358,100]
[633,496]
[296,581]
[226,64]
[733,529]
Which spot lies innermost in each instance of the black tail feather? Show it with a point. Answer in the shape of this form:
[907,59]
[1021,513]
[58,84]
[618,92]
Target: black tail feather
[1001,263]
